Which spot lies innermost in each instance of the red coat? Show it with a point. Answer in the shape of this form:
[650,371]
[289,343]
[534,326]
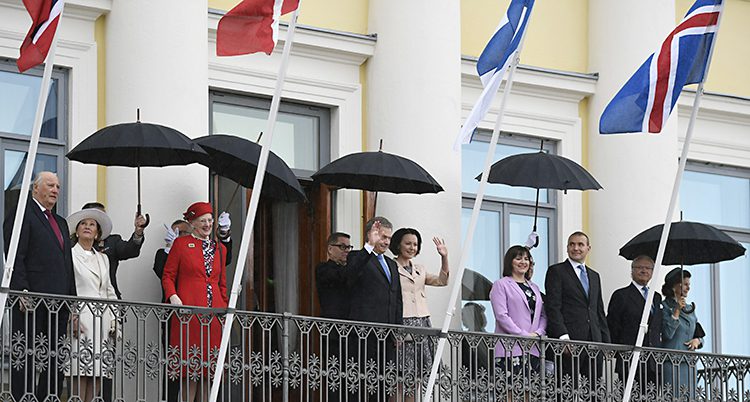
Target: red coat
[185,276]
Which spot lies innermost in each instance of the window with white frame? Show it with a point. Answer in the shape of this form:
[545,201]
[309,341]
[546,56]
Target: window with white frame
[19,94]
[506,219]
[720,196]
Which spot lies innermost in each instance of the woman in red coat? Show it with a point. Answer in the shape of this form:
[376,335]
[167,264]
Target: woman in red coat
[195,275]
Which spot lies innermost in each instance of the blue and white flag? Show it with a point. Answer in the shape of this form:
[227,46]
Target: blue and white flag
[494,61]
[645,102]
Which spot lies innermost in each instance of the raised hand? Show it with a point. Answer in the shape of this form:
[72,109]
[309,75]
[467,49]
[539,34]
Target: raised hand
[442,249]
[374,235]
[139,223]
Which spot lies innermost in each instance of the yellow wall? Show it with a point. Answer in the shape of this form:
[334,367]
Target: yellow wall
[339,15]
[731,60]
[101,91]
[557,36]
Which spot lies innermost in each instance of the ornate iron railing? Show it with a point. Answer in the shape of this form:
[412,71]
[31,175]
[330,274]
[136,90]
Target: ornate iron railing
[54,346]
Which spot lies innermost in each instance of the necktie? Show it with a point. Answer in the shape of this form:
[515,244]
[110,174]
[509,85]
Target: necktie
[55,228]
[645,292]
[584,279]
[385,267]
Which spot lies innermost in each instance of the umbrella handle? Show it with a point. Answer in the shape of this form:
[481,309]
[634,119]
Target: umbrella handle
[148,220]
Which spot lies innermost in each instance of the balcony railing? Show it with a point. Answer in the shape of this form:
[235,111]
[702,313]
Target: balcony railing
[57,346]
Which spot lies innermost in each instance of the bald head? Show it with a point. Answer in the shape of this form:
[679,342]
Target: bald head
[46,189]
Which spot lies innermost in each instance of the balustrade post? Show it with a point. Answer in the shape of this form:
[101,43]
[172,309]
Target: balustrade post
[285,356]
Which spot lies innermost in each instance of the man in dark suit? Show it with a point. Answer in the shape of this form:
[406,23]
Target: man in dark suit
[116,249]
[624,316]
[333,295]
[574,307]
[374,296]
[330,278]
[43,264]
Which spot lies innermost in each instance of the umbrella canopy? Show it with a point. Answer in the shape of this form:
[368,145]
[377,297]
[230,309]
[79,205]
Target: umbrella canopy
[136,145]
[378,171]
[475,286]
[689,243]
[237,159]
[541,170]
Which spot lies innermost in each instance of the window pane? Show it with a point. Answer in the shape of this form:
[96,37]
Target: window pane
[519,229]
[700,294]
[715,199]
[735,303]
[19,94]
[472,162]
[484,257]
[295,139]
[15,163]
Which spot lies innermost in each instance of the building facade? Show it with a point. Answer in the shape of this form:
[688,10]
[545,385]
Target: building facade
[401,72]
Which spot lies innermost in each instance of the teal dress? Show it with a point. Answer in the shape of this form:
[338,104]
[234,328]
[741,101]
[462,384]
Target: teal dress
[674,335]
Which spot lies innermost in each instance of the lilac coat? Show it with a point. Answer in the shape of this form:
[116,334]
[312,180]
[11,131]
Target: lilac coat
[512,313]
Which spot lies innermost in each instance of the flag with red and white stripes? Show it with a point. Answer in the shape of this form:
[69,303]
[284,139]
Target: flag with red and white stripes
[251,26]
[45,15]
[646,100]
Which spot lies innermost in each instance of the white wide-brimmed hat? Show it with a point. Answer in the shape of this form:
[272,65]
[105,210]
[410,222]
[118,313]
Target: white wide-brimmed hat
[91,213]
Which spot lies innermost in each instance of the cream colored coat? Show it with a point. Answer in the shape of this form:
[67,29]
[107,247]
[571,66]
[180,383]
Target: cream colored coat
[412,289]
[92,280]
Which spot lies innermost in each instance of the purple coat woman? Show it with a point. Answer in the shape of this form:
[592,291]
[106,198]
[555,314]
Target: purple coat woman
[517,302]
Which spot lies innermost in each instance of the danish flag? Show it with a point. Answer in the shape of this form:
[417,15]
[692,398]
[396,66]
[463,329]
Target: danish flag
[45,15]
[646,100]
[251,26]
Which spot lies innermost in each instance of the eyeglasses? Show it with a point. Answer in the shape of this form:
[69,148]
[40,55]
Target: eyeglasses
[343,247]
[643,267]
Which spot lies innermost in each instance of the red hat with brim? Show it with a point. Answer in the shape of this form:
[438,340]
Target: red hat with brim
[196,210]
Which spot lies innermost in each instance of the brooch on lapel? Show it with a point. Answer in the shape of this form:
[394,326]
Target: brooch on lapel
[191,245]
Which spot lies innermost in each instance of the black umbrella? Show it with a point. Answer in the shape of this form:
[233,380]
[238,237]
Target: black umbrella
[689,243]
[237,159]
[136,145]
[378,171]
[541,170]
[475,286]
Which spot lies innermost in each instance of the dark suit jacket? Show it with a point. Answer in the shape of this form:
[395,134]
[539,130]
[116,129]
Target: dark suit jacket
[41,264]
[333,294]
[624,317]
[372,297]
[569,310]
[116,249]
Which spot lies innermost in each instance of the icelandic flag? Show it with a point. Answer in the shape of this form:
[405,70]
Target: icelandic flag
[494,61]
[45,15]
[251,26]
[646,100]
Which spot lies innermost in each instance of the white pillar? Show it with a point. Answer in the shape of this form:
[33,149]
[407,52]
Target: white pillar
[156,60]
[636,170]
[413,104]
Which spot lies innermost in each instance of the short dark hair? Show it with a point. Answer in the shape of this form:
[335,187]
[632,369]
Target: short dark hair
[579,233]
[395,245]
[511,255]
[94,205]
[673,277]
[334,237]
[383,223]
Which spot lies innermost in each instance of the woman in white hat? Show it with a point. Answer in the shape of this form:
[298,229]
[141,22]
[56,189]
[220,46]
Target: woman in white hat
[91,269]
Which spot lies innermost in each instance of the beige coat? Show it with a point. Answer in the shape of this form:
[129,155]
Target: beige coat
[412,288]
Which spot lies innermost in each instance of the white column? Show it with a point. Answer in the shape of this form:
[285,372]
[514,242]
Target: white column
[156,60]
[413,104]
[636,170]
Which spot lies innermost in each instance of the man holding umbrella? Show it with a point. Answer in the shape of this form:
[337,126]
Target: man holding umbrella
[116,249]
